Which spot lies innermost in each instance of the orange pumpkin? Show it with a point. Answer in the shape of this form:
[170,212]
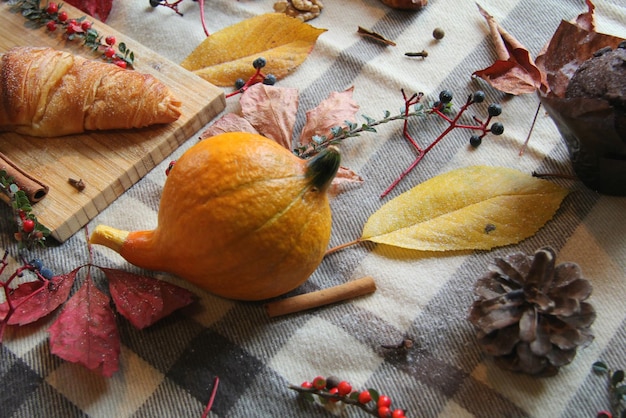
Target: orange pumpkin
[240,216]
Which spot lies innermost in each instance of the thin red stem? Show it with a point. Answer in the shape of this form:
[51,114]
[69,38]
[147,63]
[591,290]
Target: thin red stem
[209,405]
[201,4]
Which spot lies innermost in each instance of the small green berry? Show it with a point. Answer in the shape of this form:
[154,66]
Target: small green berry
[259,63]
[445,96]
[475,140]
[438,33]
[497,128]
[494,109]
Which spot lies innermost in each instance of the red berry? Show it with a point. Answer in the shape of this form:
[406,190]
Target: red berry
[398,413]
[110,40]
[384,400]
[365,397]
[109,52]
[307,385]
[344,388]
[319,383]
[52,8]
[384,412]
[86,25]
[51,25]
[62,16]
[334,391]
[120,63]
[28,226]
[73,28]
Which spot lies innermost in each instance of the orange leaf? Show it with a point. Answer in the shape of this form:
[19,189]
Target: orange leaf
[515,71]
[285,42]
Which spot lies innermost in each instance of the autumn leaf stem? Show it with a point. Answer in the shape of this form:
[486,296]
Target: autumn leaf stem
[342,246]
[209,405]
[530,132]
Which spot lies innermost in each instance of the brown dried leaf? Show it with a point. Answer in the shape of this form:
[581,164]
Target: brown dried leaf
[337,108]
[344,179]
[374,35]
[514,72]
[569,47]
[230,122]
[271,111]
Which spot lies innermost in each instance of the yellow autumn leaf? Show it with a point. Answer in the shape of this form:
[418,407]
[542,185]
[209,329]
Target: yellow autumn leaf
[226,55]
[478,207]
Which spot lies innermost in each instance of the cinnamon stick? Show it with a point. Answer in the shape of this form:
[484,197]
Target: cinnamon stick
[34,189]
[352,289]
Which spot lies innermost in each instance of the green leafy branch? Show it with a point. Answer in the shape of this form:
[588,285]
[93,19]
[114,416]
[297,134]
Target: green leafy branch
[30,232]
[616,388]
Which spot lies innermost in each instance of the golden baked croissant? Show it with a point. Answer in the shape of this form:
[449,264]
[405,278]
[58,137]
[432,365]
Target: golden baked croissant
[45,92]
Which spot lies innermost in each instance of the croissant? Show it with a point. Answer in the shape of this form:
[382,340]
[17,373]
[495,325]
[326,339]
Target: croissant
[46,93]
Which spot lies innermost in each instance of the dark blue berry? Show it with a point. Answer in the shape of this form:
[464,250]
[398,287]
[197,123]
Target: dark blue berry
[475,140]
[36,263]
[46,273]
[239,83]
[259,63]
[155,3]
[445,96]
[479,96]
[497,128]
[269,79]
[494,109]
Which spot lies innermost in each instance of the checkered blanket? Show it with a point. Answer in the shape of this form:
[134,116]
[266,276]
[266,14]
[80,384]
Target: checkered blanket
[168,370]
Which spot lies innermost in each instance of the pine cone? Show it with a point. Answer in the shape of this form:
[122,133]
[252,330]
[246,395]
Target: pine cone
[530,314]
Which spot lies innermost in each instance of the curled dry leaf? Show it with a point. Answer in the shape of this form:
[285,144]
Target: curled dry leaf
[514,72]
[285,42]
[476,207]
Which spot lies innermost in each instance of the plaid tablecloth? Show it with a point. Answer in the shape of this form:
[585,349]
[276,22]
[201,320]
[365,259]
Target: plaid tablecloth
[168,370]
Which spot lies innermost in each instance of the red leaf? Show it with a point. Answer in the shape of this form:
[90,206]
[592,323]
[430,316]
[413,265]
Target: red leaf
[85,332]
[144,300]
[515,71]
[36,299]
[95,8]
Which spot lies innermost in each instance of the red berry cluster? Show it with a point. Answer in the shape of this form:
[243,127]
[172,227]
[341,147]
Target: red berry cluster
[334,390]
[54,18]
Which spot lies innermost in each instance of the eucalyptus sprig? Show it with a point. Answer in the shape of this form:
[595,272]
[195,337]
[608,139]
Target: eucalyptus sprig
[30,232]
[412,108]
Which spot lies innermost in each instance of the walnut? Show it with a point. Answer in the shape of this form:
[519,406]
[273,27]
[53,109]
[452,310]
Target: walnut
[405,4]
[300,9]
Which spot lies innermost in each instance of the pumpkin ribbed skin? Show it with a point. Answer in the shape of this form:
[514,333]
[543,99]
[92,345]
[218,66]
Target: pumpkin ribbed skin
[239,217]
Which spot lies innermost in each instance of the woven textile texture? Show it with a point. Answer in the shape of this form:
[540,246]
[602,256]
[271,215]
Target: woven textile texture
[168,369]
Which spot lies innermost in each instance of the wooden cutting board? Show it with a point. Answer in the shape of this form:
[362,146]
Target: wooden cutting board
[108,162]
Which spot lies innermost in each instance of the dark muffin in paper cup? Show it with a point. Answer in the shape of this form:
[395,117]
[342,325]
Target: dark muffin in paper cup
[586,75]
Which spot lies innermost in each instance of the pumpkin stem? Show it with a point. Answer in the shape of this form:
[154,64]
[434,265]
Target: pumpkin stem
[109,237]
[322,168]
